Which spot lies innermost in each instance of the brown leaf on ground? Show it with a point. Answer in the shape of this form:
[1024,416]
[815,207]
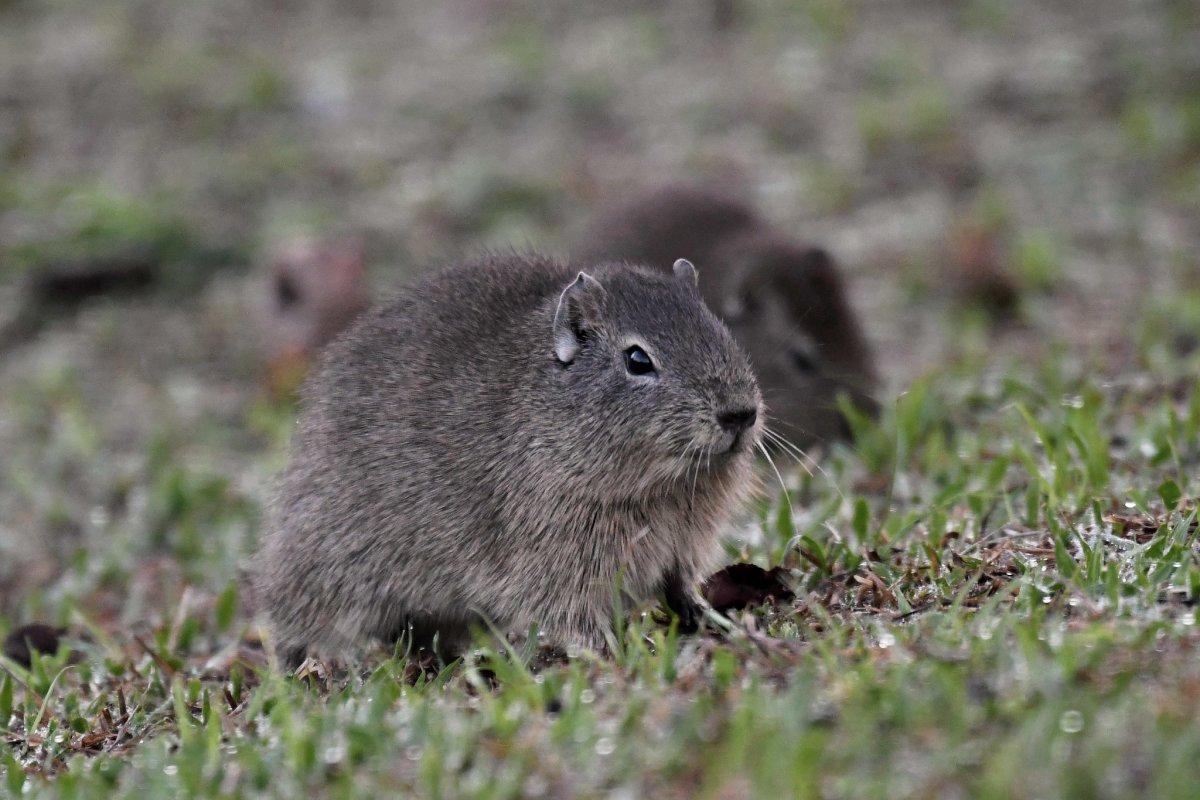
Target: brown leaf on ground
[743,585]
[22,642]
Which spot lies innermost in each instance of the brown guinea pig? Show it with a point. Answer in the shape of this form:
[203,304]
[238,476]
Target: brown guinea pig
[314,290]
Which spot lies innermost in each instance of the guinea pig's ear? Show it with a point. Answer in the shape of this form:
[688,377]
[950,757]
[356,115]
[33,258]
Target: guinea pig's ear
[685,271]
[577,308]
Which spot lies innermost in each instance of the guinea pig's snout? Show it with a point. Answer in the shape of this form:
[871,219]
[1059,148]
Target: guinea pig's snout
[735,422]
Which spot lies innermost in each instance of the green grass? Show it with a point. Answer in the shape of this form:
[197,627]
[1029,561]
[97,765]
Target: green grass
[996,594]
[996,584]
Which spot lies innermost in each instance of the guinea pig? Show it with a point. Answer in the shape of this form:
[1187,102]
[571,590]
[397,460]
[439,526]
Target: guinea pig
[511,441]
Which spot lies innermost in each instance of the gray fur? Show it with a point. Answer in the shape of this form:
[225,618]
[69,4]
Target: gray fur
[450,465]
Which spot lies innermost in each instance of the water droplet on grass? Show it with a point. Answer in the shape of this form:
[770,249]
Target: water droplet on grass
[98,516]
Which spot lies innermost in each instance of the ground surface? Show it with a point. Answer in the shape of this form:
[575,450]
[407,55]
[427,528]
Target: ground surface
[995,585]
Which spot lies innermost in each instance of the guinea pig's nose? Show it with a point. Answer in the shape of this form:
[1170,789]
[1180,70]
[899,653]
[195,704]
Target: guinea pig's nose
[737,420]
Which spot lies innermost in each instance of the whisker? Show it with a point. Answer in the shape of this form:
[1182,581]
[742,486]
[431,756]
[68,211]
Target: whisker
[801,430]
[777,437]
[690,458]
[791,447]
[787,496]
[790,450]
[802,457]
[687,464]
[707,460]
[696,477]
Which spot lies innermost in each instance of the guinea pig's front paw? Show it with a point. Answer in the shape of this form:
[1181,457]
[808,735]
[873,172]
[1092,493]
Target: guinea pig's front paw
[690,611]
[684,603]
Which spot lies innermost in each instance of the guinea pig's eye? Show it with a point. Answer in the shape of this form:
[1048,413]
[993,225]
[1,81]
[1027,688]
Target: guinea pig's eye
[286,291]
[802,360]
[637,362]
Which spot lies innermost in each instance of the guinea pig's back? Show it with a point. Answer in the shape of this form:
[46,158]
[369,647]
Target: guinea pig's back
[439,350]
[389,466]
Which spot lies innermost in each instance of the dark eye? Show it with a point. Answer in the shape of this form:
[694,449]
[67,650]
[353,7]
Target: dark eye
[637,362]
[286,291]
[802,361]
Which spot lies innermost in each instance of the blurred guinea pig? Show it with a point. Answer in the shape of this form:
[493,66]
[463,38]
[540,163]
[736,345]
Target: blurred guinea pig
[314,289]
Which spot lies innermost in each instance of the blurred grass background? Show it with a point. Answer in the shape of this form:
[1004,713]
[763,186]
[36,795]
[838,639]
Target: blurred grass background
[1012,189]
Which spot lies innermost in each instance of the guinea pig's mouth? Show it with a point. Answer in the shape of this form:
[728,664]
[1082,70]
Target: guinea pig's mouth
[735,443]
[727,445]
[721,439]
